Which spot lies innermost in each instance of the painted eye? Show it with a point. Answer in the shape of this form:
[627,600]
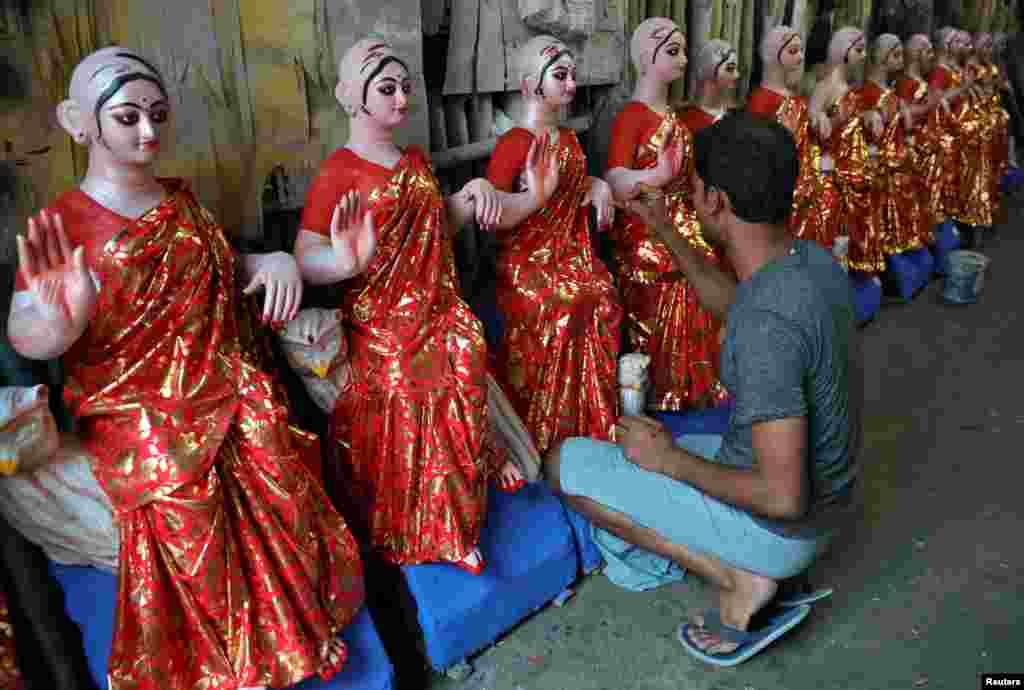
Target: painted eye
[127,118]
[388,90]
[407,88]
[560,76]
[159,116]
[673,51]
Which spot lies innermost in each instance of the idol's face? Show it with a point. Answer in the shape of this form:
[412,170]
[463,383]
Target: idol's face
[387,96]
[729,72]
[894,61]
[855,55]
[559,84]
[792,56]
[670,61]
[133,123]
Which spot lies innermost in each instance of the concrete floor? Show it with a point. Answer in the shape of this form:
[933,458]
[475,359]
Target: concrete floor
[928,581]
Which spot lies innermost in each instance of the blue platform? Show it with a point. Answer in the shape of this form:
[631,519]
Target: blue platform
[867,296]
[908,272]
[947,239]
[90,597]
[1014,177]
[531,558]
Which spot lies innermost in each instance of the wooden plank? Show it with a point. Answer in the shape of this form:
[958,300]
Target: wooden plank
[461,73]
[456,119]
[603,58]
[433,16]
[438,133]
[481,117]
[490,62]
[515,34]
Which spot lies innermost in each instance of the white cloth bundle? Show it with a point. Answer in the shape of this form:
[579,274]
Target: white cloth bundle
[52,498]
[315,346]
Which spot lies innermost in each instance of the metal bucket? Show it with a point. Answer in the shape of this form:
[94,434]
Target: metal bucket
[965,276]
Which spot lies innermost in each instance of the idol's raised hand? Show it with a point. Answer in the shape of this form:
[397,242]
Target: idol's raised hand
[541,172]
[56,275]
[353,234]
[670,161]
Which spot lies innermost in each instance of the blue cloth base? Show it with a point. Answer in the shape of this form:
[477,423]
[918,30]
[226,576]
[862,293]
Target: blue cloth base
[530,556]
[947,239]
[713,420]
[923,260]
[867,296]
[90,597]
[1014,177]
[906,273]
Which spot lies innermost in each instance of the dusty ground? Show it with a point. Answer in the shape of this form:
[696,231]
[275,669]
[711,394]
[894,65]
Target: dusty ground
[928,581]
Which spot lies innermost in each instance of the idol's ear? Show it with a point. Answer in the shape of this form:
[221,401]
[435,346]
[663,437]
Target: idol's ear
[71,118]
[344,93]
[644,63]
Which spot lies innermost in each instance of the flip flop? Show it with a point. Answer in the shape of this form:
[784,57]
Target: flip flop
[750,643]
[803,598]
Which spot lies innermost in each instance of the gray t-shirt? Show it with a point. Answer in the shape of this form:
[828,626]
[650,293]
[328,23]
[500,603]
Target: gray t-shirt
[791,351]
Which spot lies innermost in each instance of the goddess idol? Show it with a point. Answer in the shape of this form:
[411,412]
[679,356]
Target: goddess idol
[559,350]
[412,454]
[234,568]
[651,149]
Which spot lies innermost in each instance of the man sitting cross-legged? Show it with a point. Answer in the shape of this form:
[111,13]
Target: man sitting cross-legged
[768,503]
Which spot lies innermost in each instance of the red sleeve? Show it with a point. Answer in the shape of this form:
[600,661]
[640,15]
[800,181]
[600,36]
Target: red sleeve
[509,159]
[627,131]
[85,223]
[764,102]
[905,89]
[333,180]
[937,80]
[695,119]
[870,95]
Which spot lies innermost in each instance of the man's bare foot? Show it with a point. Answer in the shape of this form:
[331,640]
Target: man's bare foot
[472,562]
[333,655]
[736,607]
[510,479]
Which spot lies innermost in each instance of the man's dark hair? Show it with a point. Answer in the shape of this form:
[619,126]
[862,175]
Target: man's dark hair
[753,160]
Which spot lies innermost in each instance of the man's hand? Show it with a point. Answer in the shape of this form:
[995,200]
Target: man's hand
[279,275]
[646,443]
[655,215]
[56,274]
